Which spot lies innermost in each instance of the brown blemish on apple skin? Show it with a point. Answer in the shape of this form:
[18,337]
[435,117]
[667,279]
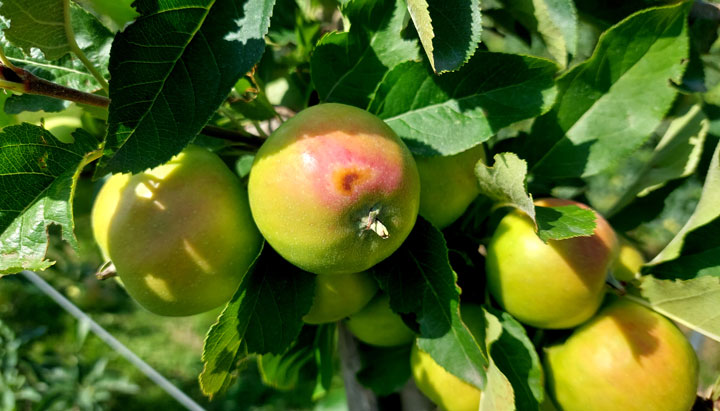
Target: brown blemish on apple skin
[347,179]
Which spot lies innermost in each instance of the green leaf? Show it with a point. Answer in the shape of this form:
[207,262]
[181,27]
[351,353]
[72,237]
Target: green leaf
[282,371]
[610,104]
[166,86]
[419,280]
[37,182]
[515,357]
[92,37]
[39,24]
[562,222]
[264,315]
[556,22]
[347,67]
[325,347]
[385,370]
[695,250]
[504,182]
[451,113]
[676,156]
[693,303]
[498,394]
[449,31]
[17,103]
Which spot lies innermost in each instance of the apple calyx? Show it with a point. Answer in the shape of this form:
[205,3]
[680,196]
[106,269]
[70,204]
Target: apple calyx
[370,222]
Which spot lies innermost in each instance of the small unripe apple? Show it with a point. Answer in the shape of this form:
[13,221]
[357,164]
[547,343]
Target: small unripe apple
[448,185]
[334,190]
[555,285]
[628,263]
[180,235]
[443,388]
[62,127]
[377,324]
[626,358]
[338,296]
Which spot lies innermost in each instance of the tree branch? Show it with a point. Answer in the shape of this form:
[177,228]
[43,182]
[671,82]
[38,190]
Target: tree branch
[359,398]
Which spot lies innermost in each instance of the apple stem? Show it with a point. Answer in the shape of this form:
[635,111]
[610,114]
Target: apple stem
[107,270]
[371,222]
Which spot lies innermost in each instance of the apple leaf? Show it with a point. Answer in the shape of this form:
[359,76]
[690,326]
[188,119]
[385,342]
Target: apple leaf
[37,182]
[563,222]
[514,356]
[695,250]
[448,114]
[449,31]
[693,303]
[264,315]
[498,393]
[385,370]
[37,24]
[346,67]
[171,69]
[504,182]
[92,37]
[17,103]
[611,103]
[282,371]
[419,280]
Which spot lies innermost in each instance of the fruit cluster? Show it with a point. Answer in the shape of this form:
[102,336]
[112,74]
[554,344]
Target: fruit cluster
[334,191]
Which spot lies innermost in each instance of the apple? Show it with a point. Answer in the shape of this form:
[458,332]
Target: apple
[443,388]
[628,263]
[334,190]
[448,185]
[338,296]
[377,324]
[62,127]
[626,358]
[555,285]
[181,235]
[120,12]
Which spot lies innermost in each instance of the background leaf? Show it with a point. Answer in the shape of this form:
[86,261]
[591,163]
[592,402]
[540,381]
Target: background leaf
[504,182]
[37,181]
[385,370]
[166,86]
[264,315]
[346,67]
[39,24]
[17,103]
[693,303]
[609,105]
[419,280]
[491,91]
[449,31]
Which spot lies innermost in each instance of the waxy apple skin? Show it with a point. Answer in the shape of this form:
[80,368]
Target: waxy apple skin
[555,285]
[628,358]
[338,296]
[377,324]
[180,235]
[448,185]
[322,178]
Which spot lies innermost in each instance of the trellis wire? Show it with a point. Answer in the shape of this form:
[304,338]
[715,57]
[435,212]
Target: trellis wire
[144,367]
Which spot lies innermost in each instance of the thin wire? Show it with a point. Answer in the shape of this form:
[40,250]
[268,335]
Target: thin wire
[146,369]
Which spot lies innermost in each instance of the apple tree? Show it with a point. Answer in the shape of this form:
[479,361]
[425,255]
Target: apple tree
[466,202]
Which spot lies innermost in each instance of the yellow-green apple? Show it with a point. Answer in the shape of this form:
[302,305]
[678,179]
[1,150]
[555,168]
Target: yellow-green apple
[448,185]
[628,358]
[628,263]
[377,324]
[181,235]
[338,296]
[558,284]
[334,190]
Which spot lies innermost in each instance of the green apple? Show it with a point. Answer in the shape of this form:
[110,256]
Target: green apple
[120,12]
[338,296]
[628,263]
[62,127]
[180,235]
[448,185]
[626,358]
[377,324]
[555,285]
[334,190]
[443,388]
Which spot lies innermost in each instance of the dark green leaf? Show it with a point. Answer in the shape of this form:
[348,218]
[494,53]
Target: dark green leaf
[37,24]
[16,104]
[264,315]
[166,86]
[559,223]
[325,341]
[37,180]
[514,355]
[610,104]
[282,371]
[419,280]
[449,31]
[384,369]
[451,113]
[347,67]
